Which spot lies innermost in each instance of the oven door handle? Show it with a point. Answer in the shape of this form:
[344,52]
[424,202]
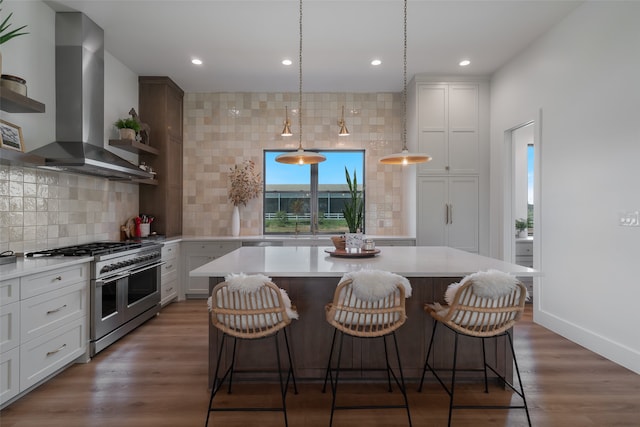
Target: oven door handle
[147,267]
[101,282]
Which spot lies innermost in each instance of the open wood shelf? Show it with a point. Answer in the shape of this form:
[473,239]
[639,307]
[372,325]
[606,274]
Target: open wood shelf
[13,102]
[133,146]
[146,181]
[19,158]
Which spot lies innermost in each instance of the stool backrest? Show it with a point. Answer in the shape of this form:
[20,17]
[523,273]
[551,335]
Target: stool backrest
[358,317]
[244,314]
[482,316]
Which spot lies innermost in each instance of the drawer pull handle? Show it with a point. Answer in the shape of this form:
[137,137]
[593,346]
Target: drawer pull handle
[51,353]
[168,266]
[170,289]
[56,310]
[58,278]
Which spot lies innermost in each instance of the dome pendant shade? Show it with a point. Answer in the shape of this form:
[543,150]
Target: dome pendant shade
[404,158]
[300,157]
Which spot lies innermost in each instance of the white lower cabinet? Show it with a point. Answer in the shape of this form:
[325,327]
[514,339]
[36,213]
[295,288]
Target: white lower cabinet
[196,254]
[448,212]
[43,326]
[169,289]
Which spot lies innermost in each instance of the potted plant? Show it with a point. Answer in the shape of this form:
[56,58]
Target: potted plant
[521,227]
[6,34]
[128,127]
[353,212]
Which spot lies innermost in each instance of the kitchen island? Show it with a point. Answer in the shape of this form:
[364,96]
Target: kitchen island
[310,275]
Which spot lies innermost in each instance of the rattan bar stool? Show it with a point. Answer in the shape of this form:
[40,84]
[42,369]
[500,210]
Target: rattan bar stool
[367,304]
[251,307]
[483,305]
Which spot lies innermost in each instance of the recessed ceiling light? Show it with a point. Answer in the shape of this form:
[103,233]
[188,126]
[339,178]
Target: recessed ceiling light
[196,61]
[465,62]
[286,62]
[376,62]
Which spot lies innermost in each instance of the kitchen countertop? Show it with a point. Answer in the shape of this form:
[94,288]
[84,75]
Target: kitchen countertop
[304,261]
[25,266]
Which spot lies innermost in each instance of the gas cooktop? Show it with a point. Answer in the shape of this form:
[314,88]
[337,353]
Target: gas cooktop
[90,249]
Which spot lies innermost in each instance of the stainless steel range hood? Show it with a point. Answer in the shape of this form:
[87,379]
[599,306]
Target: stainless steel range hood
[79,145]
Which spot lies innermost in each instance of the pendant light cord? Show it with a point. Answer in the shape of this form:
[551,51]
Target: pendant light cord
[300,82]
[404,90]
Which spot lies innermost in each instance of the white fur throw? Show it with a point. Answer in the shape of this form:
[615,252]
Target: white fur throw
[249,284]
[373,285]
[486,284]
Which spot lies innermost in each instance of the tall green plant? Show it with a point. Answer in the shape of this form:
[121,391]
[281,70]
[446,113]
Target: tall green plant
[353,210]
[5,34]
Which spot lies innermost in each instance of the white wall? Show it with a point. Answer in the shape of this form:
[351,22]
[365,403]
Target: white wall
[583,75]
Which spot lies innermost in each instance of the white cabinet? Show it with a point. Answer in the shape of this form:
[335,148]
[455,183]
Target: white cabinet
[170,272]
[43,326]
[196,254]
[524,252]
[448,127]
[448,212]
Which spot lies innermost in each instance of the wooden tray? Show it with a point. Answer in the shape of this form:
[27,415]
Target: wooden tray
[342,253]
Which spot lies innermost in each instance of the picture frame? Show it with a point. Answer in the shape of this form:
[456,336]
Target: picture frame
[11,136]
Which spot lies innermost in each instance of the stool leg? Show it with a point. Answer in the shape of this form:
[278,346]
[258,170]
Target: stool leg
[334,385]
[403,388]
[484,366]
[328,371]
[426,359]
[386,358]
[283,388]
[515,363]
[233,363]
[453,377]
[216,386]
[290,372]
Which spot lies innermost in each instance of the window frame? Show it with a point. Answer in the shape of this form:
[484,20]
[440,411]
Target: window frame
[314,191]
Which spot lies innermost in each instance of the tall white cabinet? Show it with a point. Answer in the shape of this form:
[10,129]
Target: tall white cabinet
[448,123]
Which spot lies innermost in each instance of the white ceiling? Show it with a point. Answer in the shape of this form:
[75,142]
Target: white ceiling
[242,42]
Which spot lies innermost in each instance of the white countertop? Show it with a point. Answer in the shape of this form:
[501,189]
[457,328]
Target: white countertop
[25,266]
[304,261]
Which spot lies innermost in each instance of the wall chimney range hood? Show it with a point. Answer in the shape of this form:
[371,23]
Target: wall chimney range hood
[79,145]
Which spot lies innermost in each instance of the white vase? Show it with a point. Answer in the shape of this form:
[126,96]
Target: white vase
[235,222]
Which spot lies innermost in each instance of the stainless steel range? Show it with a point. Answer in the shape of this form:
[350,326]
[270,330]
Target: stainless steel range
[125,286]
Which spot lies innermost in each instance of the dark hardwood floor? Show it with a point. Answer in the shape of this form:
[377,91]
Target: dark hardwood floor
[157,376]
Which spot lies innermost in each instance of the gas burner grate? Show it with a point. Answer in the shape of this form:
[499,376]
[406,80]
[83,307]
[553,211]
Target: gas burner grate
[88,249]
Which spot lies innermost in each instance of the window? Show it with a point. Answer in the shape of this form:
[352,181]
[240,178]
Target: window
[309,198]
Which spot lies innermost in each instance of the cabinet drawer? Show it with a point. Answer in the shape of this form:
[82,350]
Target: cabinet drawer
[9,326]
[9,374]
[169,289]
[215,249]
[170,266]
[524,248]
[9,291]
[46,354]
[169,251]
[44,313]
[36,284]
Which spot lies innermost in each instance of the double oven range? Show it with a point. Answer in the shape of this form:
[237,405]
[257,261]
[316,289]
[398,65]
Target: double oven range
[125,286]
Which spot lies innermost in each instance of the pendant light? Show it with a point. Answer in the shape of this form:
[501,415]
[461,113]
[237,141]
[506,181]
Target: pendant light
[343,126]
[286,131]
[300,157]
[405,157]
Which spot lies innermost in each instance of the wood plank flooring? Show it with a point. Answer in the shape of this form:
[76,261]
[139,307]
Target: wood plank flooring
[157,376]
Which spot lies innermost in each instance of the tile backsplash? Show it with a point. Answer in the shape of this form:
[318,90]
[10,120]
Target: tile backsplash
[224,129]
[45,209]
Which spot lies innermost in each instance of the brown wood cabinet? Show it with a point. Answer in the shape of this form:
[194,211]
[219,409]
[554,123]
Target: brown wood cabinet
[160,106]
